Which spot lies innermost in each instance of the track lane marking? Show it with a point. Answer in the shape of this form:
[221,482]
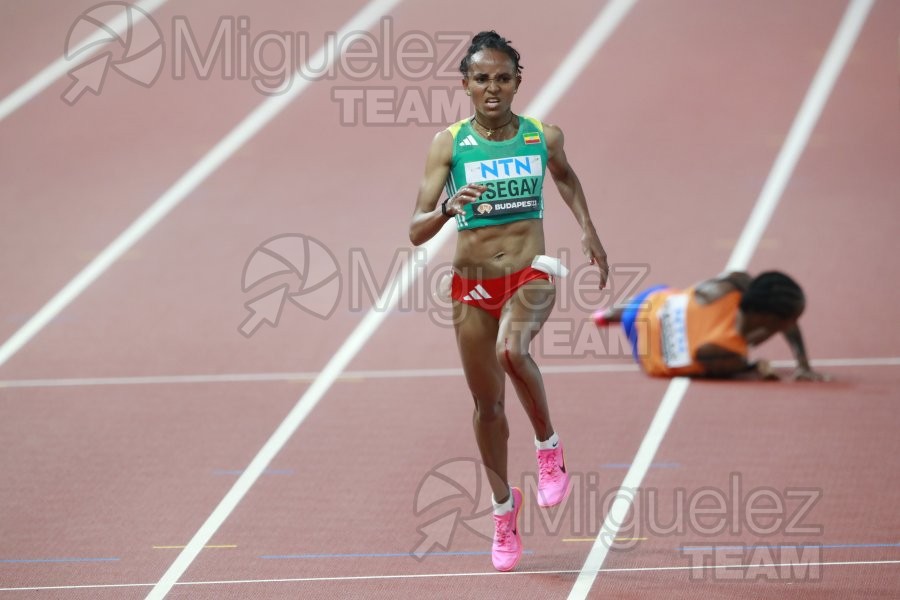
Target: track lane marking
[355,376]
[243,132]
[58,68]
[211,546]
[657,569]
[12,561]
[804,123]
[618,539]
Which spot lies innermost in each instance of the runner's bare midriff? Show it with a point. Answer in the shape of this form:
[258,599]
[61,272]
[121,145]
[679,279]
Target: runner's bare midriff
[489,252]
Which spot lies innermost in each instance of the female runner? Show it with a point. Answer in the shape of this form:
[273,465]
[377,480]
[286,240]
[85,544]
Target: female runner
[492,166]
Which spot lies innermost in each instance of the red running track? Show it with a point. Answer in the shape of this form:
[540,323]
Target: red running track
[673,128]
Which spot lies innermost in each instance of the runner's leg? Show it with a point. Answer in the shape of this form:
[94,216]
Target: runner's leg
[476,333]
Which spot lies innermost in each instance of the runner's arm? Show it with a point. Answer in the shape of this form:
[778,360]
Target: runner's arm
[428,218]
[570,189]
[719,363]
[713,289]
[803,371]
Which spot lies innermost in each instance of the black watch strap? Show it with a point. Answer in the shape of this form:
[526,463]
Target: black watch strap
[444,208]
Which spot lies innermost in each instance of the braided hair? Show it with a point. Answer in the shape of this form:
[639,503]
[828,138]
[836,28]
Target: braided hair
[493,41]
[774,293]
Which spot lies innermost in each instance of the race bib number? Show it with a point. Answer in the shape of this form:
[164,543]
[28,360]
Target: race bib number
[673,330]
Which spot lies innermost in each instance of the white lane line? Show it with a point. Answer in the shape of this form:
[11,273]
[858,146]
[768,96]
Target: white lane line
[354,28]
[261,116]
[804,122]
[305,376]
[413,576]
[618,512]
[58,68]
[582,52]
[587,45]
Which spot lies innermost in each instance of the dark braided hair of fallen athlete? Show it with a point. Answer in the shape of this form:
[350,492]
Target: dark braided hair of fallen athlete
[774,293]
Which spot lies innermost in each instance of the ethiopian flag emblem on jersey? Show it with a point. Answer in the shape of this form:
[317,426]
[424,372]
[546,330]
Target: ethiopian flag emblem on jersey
[531,138]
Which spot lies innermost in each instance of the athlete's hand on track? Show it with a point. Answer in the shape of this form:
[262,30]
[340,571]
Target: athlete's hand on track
[765,371]
[465,195]
[593,249]
[807,374]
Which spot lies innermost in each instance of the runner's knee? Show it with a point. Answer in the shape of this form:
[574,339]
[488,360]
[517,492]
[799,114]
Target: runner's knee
[488,409]
[513,357]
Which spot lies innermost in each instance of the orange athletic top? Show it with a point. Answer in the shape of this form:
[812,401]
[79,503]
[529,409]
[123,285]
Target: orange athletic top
[672,325]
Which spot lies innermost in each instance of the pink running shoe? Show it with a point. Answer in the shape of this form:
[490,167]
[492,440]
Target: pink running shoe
[507,547]
[553,481]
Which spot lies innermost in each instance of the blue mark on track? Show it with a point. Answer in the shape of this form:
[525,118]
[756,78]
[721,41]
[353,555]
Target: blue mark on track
[751,547]
[55,560]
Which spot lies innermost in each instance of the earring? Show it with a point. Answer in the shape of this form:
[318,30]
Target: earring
[468,92]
